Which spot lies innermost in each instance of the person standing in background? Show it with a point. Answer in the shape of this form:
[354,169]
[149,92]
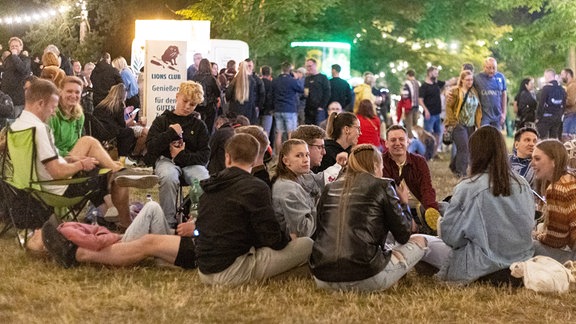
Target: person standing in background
[16,70]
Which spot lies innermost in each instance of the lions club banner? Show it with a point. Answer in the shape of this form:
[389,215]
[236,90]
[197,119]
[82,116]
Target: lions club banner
[165,68]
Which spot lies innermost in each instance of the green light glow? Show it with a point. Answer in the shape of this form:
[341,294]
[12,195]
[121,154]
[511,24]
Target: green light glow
[321,44]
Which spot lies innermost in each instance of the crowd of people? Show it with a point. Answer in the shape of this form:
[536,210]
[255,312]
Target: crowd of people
[348,196]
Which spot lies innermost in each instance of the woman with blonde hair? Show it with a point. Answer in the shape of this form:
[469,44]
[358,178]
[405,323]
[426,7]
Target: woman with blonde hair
[67,123]
[110,114]
[130,82]
[463,115]
[241,94]
[355,215]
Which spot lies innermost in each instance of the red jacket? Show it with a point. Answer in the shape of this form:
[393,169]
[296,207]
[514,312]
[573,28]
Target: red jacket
[370,128]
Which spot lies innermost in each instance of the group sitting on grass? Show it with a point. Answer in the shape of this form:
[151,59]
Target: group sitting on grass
[357,233]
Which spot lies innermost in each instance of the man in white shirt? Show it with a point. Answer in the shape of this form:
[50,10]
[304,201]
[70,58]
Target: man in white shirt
[41,100]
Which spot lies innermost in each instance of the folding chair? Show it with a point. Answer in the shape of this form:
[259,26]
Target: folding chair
[93,127]
[28,205]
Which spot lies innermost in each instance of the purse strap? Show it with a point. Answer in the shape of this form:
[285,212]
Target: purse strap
[465,98]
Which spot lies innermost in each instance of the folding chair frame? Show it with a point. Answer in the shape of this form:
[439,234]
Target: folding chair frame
[22,184]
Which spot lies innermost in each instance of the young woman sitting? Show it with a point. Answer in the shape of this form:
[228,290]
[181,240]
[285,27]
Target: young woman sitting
[293,192]
[488,223]
[355,214]
[556,237]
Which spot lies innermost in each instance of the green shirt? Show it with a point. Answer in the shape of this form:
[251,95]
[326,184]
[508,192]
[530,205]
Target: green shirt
[66,131]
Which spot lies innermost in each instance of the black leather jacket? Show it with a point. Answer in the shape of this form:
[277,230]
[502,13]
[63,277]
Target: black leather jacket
[351,247]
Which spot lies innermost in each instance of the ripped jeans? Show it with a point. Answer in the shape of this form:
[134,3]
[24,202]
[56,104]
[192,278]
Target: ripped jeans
[404,257]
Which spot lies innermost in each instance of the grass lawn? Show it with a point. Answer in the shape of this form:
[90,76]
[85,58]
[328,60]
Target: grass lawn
[35,290]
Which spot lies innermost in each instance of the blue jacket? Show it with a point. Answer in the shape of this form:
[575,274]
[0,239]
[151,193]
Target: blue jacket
[486,233]
[285,90]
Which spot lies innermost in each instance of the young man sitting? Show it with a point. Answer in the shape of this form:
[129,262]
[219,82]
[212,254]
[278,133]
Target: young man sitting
[42,98]
[236,224]
[240,240]
[525,140]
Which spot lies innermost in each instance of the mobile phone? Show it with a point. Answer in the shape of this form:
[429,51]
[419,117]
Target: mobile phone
[134,112]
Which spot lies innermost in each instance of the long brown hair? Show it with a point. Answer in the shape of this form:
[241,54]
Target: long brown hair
[488,154]
[556,151]
[364,158]
[337,122]
[282,171]
[366,109]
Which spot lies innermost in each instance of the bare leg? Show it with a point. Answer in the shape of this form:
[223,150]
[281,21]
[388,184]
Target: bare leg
[140,146]
[120,198]
[164,247]
[89,146]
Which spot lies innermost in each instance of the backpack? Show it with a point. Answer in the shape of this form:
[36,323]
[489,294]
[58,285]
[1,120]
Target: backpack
[554,104]
[6,106]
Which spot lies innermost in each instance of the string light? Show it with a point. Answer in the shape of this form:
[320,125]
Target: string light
[36,16]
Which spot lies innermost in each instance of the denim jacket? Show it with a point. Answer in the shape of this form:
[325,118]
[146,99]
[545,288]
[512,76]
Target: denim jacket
[486,233]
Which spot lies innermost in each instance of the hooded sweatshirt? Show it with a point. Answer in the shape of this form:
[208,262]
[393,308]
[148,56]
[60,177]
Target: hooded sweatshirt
[235,214]
[194,134]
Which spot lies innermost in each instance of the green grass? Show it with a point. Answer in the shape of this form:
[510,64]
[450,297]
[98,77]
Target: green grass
[36,290]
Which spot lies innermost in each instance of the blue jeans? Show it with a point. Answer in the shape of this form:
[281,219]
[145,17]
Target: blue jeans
[417,147]
[394,270]
[569,127]
[460,135]
[557,254]
[433,125]
[150,220]
[169,176]
[266,123]
[286,121]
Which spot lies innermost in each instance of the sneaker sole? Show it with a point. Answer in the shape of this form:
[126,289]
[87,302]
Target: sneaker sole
[432,220]
[137,181]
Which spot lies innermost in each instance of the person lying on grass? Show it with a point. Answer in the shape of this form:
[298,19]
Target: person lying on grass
[149,235]
[239,239]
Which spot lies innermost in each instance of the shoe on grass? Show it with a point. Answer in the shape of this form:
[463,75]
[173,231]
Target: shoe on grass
[135,178]
[60,248]
[431,216]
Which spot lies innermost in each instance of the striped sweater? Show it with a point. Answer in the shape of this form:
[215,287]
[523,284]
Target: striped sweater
[560,223]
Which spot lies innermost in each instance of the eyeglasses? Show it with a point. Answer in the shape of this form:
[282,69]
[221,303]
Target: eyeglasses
[320,147]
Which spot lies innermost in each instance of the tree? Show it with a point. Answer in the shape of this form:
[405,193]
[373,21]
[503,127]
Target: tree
[267,25]
[111,22]
[541,41]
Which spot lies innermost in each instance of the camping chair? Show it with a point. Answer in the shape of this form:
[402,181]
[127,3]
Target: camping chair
[28,205]
[94,127]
